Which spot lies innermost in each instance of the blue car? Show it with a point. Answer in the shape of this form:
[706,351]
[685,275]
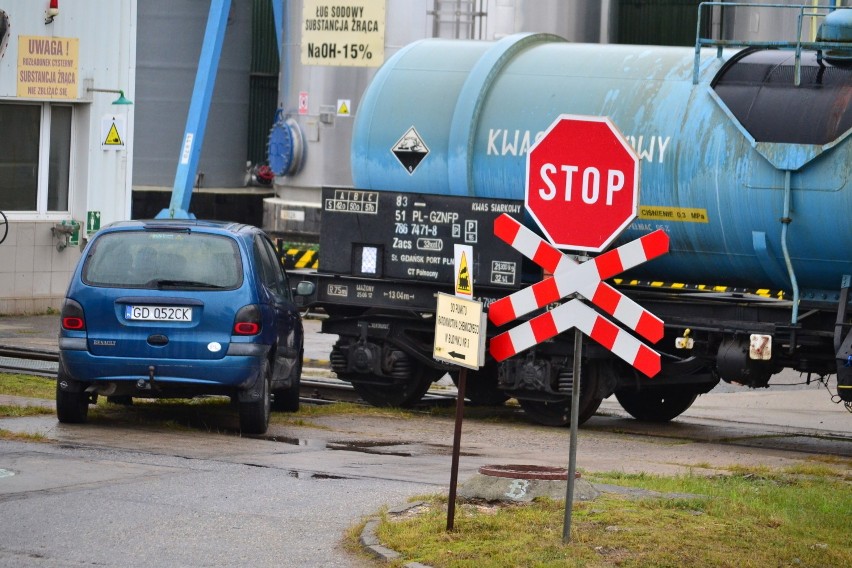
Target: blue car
[177,309]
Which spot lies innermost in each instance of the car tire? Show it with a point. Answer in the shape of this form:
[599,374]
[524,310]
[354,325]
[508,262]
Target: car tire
[287,400]
[71,407]
[254,414]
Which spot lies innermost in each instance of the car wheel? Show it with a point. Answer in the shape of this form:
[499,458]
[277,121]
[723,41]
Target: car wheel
[287,400]
[71,407]
[254,414]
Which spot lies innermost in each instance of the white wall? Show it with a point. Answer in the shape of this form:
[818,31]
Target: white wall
[33,273]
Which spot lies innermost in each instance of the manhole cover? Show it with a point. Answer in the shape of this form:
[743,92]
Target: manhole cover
[515,471]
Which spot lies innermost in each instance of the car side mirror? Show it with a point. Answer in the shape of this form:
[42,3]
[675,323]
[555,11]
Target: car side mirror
[305,288]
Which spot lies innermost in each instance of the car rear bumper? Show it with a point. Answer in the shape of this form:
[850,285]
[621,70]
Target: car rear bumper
[233,371]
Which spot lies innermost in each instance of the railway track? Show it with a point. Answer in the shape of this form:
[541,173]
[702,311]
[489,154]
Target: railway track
[749,427]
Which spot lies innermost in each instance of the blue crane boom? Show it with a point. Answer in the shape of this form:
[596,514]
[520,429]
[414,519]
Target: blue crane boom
[199,107]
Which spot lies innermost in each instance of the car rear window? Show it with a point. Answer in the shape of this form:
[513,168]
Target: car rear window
[164,259]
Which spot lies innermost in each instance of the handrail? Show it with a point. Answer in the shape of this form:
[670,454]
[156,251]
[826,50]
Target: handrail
[797,45]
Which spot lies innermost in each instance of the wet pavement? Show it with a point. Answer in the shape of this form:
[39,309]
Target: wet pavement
[139,490]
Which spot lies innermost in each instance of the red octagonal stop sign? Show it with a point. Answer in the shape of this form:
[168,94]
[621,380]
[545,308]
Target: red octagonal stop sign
[582,183]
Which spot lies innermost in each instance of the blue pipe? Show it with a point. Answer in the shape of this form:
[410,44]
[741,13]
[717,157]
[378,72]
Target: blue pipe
[786,220]
[199,108]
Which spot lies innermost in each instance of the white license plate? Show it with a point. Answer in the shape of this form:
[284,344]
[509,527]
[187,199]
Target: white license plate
[158,313]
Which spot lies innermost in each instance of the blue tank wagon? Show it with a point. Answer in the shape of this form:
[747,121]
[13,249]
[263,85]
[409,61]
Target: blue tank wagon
[745,162]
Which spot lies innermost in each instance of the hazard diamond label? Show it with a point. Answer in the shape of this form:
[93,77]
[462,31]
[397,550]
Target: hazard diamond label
[410,150]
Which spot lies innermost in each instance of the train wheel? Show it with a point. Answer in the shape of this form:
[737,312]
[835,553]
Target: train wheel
[558,413]
[481,386]
[655,404]
[400,394]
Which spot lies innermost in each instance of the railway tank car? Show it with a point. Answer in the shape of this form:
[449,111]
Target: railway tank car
[727,161]
[745,162]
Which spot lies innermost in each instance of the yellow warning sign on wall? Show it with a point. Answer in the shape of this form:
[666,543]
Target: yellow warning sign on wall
[344,107]
[113,132]
[47,67]
[113,138]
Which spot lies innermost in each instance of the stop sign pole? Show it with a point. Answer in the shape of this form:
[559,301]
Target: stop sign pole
[582,189]
[582,186]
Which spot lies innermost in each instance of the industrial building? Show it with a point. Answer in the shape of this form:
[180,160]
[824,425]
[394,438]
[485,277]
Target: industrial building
[95,98]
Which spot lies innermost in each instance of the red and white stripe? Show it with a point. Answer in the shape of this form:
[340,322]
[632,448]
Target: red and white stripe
[585,278]
[576,314]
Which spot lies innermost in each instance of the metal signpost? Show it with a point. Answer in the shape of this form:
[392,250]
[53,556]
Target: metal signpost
[460,340]
[581,170]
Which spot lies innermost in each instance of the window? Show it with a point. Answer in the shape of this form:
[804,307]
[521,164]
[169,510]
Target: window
[164,260]
[35,157]
[273,272]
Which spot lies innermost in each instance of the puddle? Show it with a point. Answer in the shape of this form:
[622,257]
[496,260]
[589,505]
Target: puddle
[6,473]
[402,449]
[375,447]
[305,475]
[305,442]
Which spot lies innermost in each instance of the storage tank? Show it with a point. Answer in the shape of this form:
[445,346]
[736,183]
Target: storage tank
[313,138]
[739,163]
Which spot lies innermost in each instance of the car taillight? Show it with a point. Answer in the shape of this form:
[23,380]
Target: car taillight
[72,317]
[247,321]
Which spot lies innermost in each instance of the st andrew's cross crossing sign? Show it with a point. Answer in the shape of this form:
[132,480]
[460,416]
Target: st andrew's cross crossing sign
[582,186]
[587,279]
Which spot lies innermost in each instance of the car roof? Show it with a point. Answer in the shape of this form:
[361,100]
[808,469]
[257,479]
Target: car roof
[181,224]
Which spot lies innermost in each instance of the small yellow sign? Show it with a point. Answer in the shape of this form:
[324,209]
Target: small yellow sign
[113,139]
[680,214]
[463,282]
[463,270]
[113,132]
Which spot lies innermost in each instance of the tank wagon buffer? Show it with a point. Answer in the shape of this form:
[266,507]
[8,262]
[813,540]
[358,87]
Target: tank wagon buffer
[745,157]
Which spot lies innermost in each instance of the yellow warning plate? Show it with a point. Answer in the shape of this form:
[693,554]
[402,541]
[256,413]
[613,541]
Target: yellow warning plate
[680,214]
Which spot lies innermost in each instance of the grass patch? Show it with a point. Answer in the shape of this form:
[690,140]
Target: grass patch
[212,414]
[19,437]
[16,384]
[754,517]
[14,411]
